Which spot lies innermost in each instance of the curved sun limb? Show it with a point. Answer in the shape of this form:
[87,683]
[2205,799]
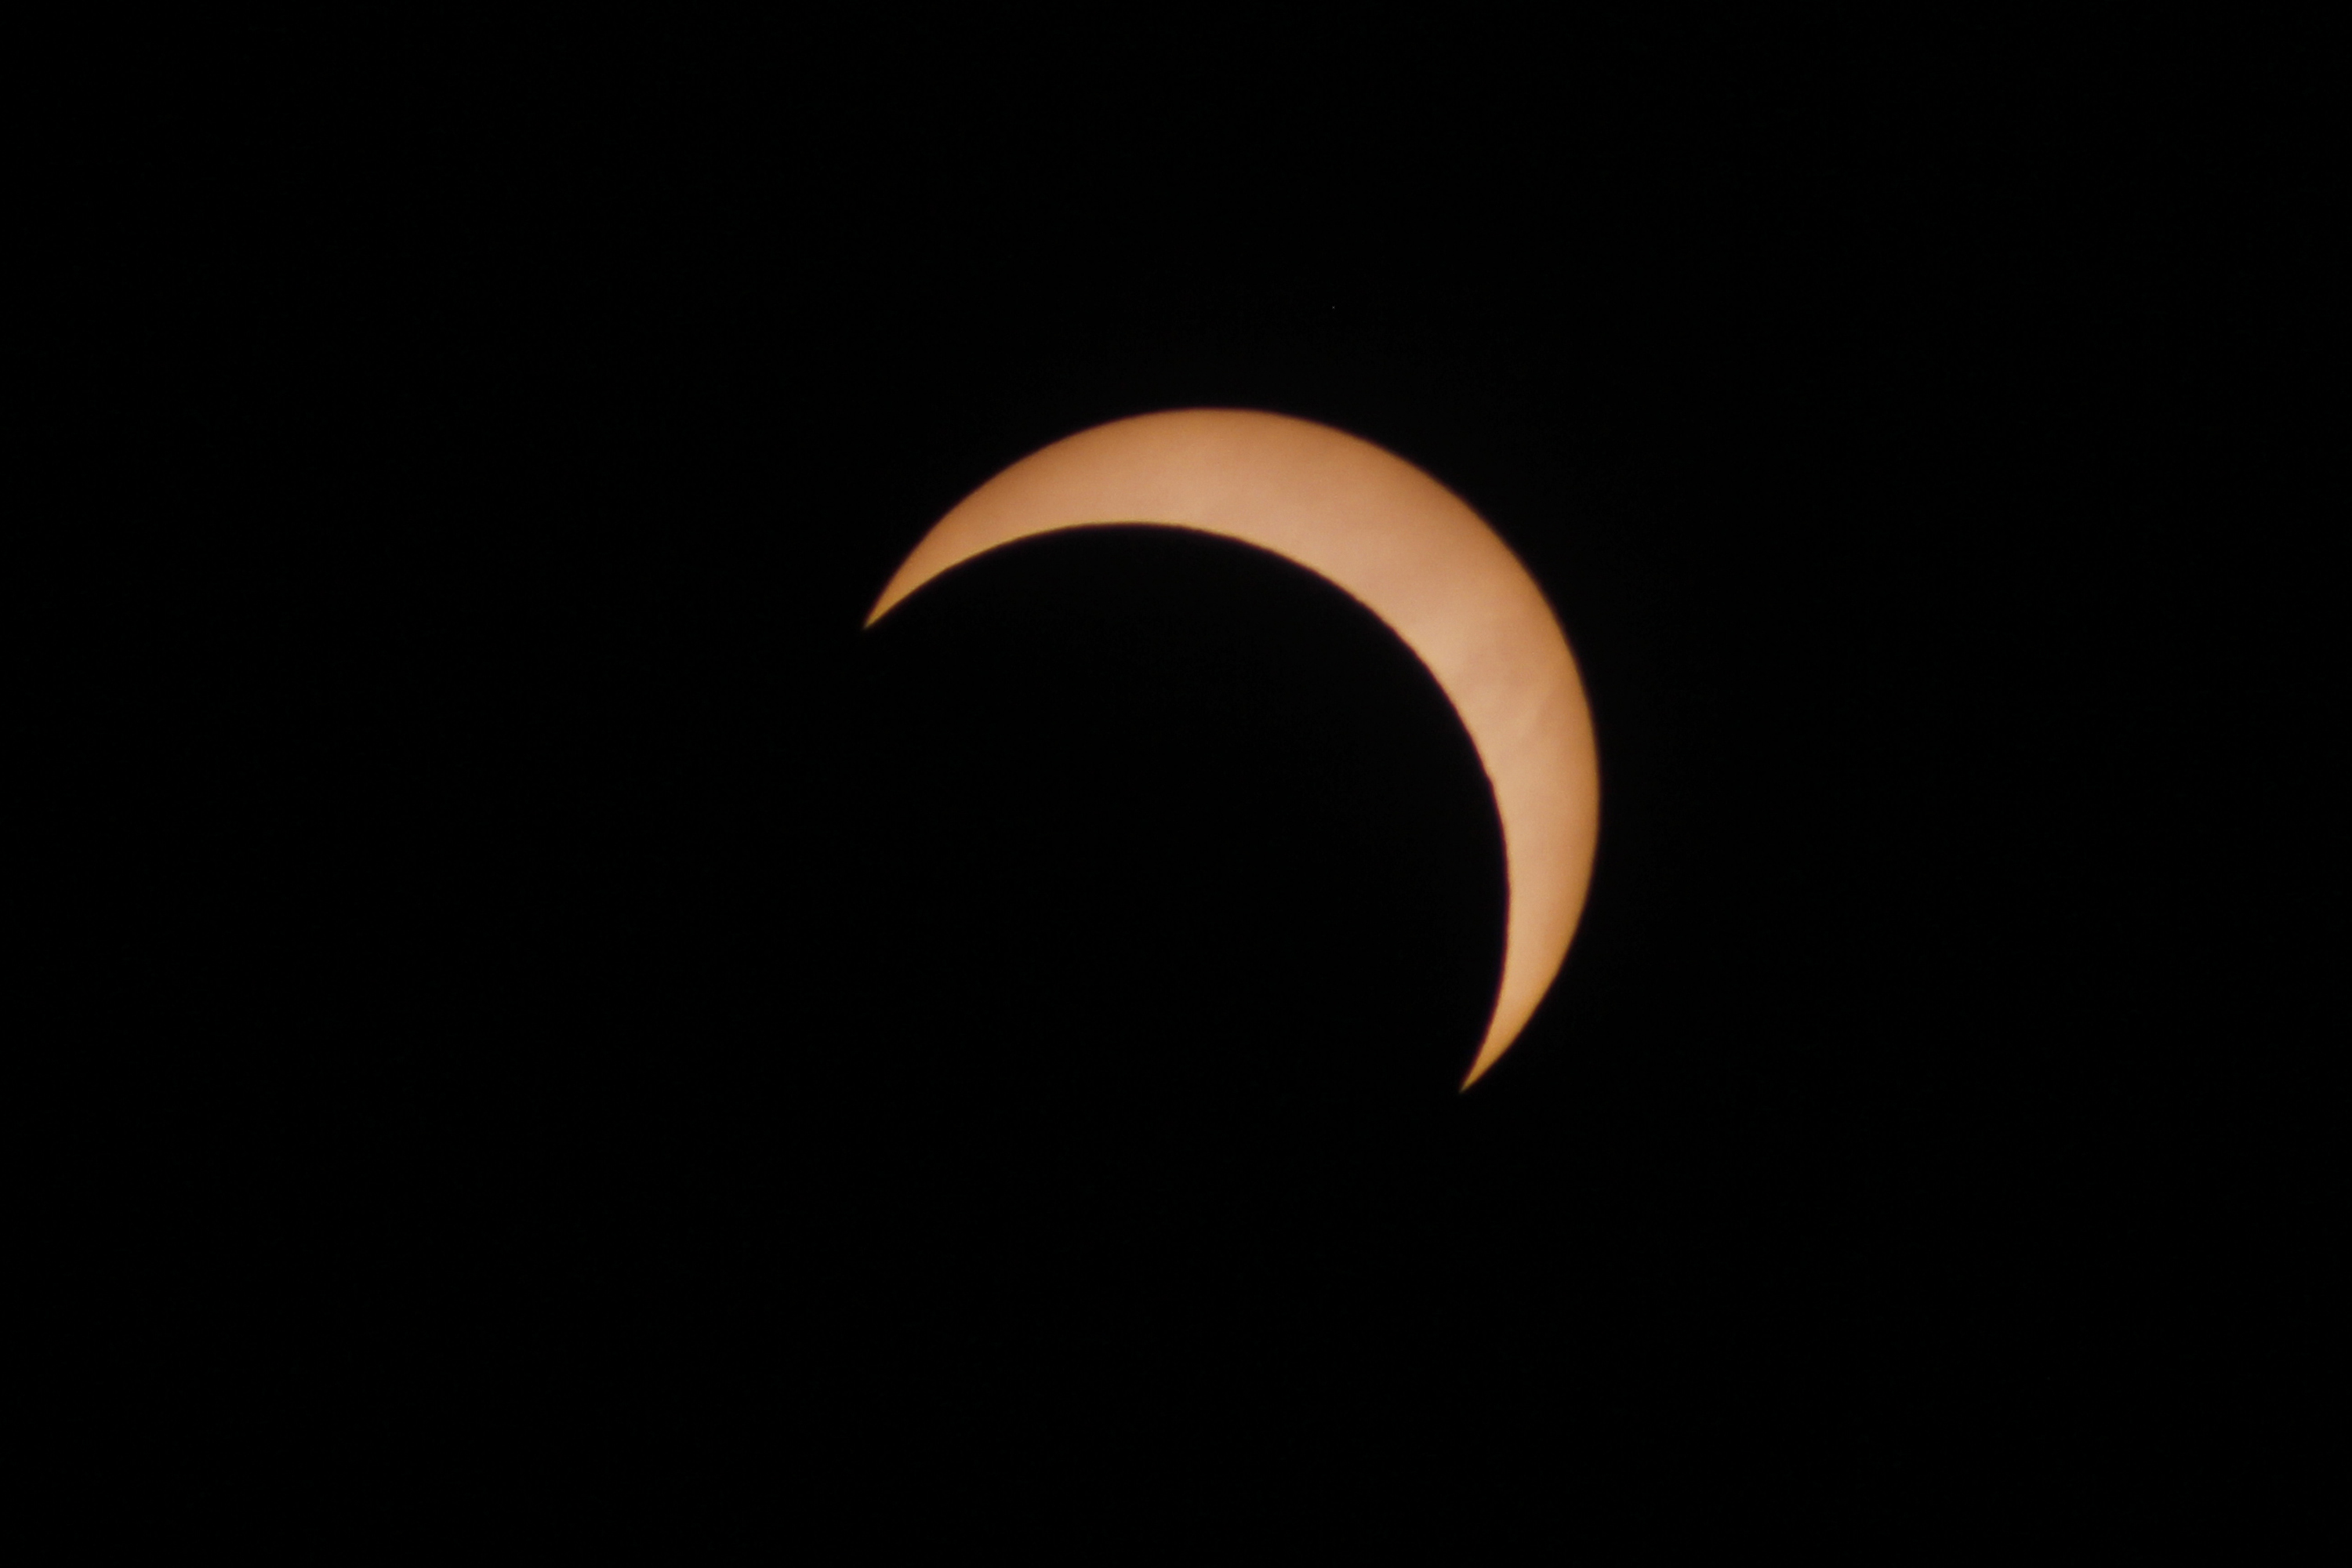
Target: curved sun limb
[1409,550]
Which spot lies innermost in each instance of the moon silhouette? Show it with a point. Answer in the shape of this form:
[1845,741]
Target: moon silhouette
[1409,550]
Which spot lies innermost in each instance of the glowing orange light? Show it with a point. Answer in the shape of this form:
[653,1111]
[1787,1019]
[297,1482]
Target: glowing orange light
[1412,553]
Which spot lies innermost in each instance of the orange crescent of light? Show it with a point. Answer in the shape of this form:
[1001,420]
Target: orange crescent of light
[1411,551]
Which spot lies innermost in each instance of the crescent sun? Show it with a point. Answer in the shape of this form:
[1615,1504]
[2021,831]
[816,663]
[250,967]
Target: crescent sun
[1408,549]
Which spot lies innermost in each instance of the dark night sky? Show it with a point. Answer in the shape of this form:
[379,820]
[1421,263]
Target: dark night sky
[1023,1038]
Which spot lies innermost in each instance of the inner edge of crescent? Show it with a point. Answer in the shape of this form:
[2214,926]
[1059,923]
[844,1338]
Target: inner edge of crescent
[906,583]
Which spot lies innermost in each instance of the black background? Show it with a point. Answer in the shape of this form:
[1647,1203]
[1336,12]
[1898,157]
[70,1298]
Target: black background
[622,1013]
